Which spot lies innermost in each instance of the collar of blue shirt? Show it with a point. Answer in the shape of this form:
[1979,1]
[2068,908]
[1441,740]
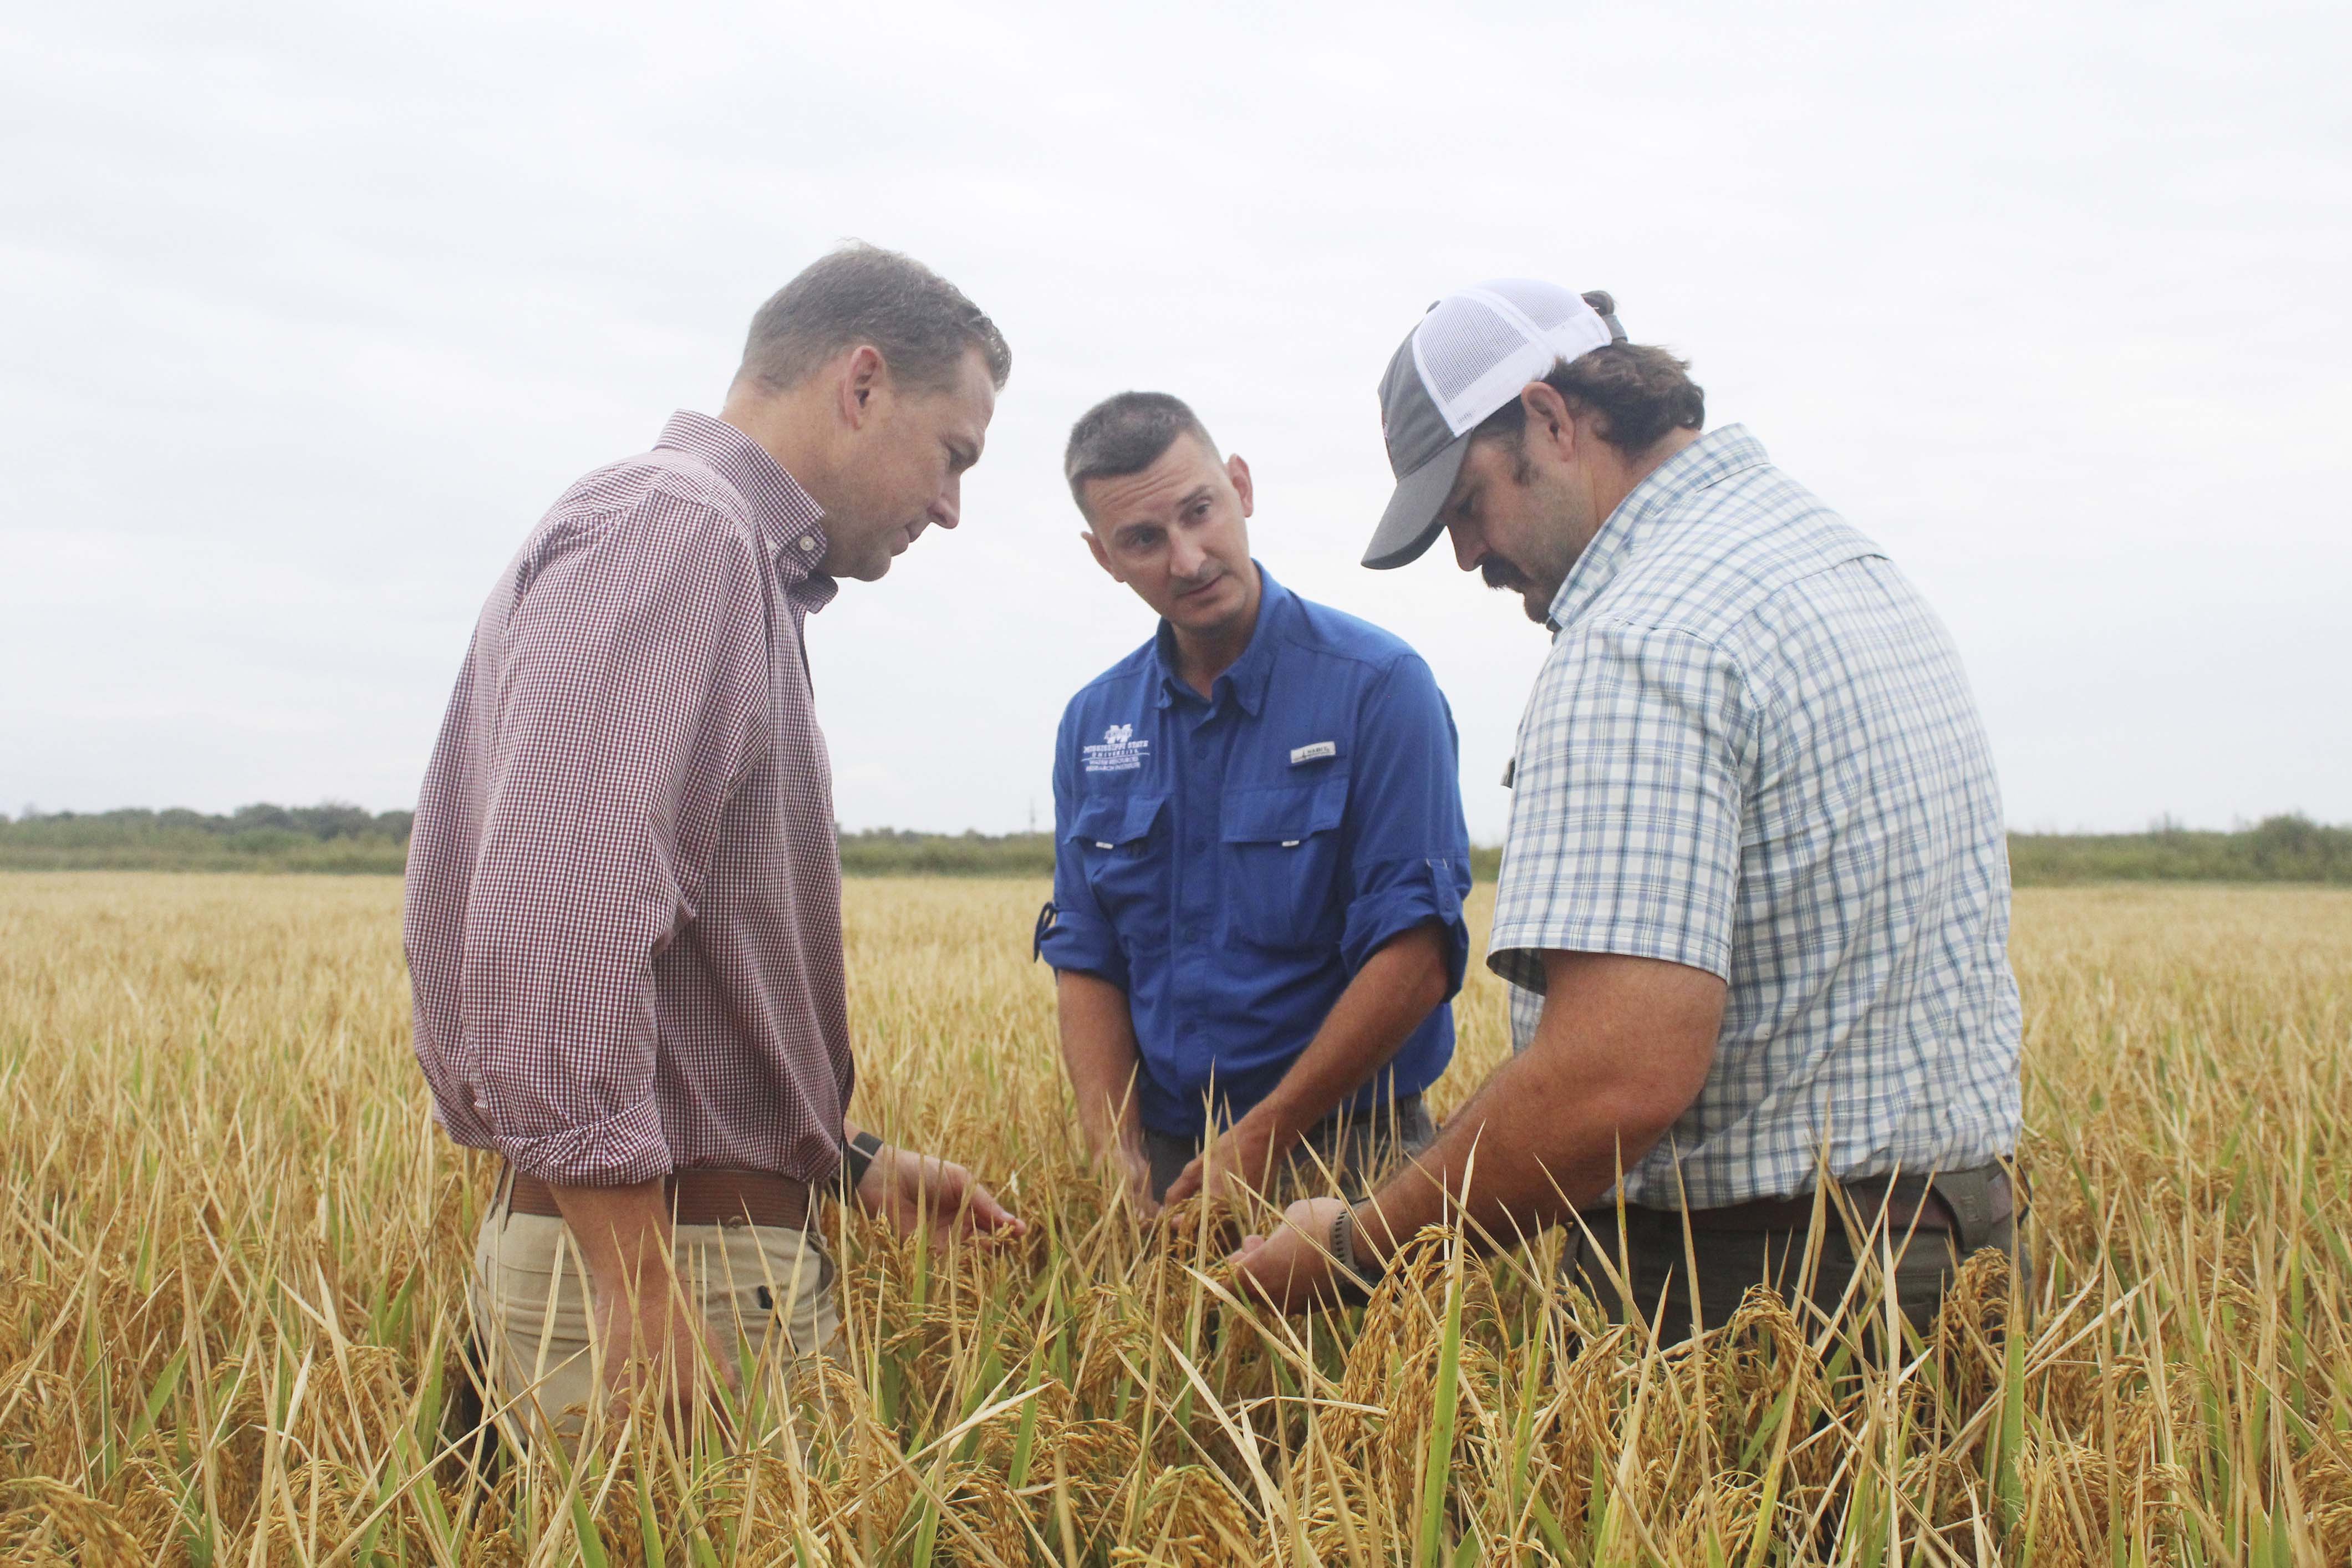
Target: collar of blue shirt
[1713,457]
[1246,680]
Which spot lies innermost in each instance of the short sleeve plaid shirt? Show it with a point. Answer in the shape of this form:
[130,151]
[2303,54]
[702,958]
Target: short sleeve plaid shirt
[1753,750]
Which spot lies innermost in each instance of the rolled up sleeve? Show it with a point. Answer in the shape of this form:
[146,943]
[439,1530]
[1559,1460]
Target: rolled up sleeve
[1408,846]
[1076,935]
[634,695]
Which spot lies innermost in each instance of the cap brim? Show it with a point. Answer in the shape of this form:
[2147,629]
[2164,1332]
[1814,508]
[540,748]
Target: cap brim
[1409,525]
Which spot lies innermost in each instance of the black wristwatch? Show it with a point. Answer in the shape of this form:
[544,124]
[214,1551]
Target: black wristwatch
[856,1161]
[1356,1280]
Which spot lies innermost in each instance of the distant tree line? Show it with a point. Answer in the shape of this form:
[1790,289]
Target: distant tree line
[328,837]
[2290,848]
[896,852]
[334,837]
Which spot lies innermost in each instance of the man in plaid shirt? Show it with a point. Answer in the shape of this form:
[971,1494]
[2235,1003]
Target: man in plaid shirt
[623,901]
[1755,898]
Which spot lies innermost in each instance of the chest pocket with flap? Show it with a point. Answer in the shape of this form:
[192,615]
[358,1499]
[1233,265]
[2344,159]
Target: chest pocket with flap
[1282,853]
[1124,849]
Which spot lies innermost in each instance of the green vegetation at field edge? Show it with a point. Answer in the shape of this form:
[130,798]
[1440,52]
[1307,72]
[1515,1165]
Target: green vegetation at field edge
[2290,848]
[330,837]
[334,837]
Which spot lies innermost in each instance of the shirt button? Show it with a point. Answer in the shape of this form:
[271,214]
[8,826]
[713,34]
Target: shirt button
[808,544]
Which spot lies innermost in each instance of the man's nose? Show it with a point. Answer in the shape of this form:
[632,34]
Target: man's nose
[1185,557]
[948,508]
[1468,548]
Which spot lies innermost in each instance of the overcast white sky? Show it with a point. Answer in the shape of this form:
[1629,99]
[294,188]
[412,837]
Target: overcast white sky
[307,312]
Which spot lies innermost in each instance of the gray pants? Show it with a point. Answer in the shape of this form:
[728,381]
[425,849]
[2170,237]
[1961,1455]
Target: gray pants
[1650,1253]
[1359,1148]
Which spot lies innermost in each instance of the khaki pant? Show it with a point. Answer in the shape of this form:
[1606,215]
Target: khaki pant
[766,1294]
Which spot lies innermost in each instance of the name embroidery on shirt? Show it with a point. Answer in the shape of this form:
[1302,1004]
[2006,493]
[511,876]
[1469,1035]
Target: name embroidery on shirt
[1314,753]
[1119,751]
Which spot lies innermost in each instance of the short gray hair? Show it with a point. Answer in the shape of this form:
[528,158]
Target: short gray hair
[920,323]
[1125,434]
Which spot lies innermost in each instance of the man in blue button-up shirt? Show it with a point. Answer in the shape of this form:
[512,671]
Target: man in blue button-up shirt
[1260,857]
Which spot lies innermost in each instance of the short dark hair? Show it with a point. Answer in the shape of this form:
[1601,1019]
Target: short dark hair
[1636,392]
[861,293]
[1125,434]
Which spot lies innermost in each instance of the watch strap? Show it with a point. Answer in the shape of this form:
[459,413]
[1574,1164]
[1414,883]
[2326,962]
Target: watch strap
[856,1161]
[1356,1279]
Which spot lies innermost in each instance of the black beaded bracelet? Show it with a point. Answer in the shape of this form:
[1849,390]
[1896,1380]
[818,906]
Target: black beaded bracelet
[856,1161]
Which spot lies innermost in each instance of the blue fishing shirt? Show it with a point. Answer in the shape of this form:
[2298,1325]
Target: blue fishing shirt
[1231,862]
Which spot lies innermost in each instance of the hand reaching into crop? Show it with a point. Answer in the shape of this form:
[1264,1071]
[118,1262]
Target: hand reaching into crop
[1238,1162]
[1292,1269]
[1135,1174]
[910,1189]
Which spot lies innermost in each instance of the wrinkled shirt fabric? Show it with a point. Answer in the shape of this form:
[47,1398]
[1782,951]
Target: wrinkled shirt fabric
[623,915]
[1753,750]
[1232,861]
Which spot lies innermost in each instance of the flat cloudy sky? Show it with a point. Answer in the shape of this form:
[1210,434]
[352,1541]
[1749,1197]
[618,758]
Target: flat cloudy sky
[306,314]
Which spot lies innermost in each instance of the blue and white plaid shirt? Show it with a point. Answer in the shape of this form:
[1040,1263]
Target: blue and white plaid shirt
[1753,750]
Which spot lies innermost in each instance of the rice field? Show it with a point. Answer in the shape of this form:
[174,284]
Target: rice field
[231,1248]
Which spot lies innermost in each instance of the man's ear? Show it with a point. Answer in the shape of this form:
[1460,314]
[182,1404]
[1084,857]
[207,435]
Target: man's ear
[1102,556]
[865,380]
[1549,419]
[1238,471]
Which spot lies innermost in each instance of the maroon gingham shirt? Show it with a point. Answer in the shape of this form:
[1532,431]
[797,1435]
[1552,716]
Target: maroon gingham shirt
[624,906]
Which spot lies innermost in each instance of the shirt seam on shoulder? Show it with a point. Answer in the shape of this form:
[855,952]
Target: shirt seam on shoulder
[1380,663]
[743,521]
[598,518]
[1759,710]
[1771,704]
[1629,623]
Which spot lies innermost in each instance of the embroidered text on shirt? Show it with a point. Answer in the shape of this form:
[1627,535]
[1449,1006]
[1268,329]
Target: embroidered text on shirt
[1119,751]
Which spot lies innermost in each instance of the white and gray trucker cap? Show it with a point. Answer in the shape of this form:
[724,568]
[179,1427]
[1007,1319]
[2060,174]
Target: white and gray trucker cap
[1466,358]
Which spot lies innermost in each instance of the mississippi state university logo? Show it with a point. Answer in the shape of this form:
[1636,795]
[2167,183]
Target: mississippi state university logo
[1119,751]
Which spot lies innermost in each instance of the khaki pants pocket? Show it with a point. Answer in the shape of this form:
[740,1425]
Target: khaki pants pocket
[766,1295]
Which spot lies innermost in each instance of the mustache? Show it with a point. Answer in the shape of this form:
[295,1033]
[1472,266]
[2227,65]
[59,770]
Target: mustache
[1498,573]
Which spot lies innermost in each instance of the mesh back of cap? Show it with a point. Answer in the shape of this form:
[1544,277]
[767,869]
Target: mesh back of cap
[1476,348]
[1460,342]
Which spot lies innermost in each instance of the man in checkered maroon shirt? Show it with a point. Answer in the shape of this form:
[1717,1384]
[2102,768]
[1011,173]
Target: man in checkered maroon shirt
[623,901]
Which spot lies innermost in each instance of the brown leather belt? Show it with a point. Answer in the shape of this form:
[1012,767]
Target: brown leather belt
[696,1197]
[1923,1203]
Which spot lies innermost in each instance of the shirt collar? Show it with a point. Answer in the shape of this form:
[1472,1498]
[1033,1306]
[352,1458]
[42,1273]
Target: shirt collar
[1248,678]
[1713,458]
[790,522]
